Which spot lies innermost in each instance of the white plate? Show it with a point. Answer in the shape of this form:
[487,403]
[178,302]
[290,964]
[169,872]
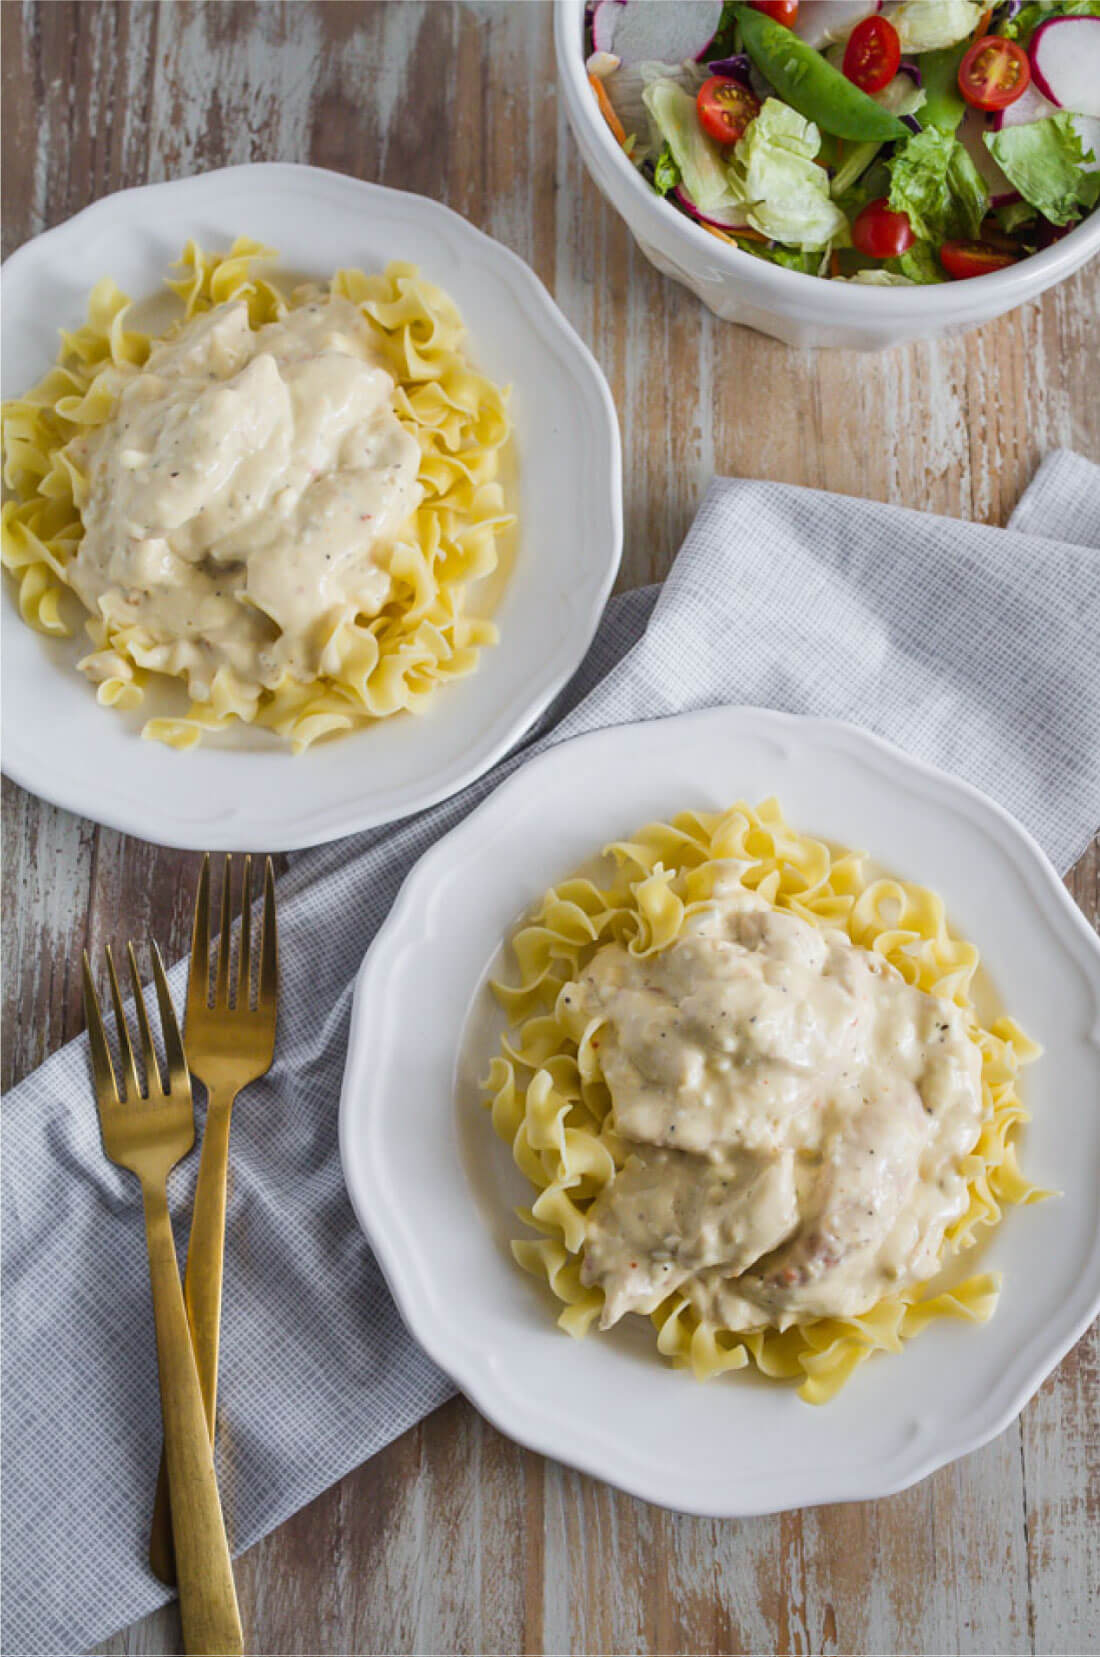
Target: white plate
[60,744]
[434,1188]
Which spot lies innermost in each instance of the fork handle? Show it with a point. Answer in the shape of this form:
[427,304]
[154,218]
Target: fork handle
[203,1294]
[208,1599]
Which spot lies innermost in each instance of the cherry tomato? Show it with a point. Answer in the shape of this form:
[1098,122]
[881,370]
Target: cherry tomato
[881,234]
[725,108]
[962,259]
[782,11]
[872,54]
[994,73]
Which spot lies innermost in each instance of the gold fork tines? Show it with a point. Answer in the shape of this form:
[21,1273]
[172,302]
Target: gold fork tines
[146,1130]
[230,1042]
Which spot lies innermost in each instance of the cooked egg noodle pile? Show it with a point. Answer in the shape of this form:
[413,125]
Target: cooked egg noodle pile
[549,1100]
[388,662]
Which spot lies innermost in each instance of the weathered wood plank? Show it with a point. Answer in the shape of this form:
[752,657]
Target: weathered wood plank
[454,1538]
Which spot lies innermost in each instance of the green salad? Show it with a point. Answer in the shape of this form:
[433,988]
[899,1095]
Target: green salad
[891,143]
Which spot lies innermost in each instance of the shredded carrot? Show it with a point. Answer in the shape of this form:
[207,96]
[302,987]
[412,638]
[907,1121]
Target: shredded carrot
[983,24]
[742,233]
[606,108]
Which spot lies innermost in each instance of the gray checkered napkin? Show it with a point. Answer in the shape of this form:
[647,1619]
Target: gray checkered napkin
[973,648]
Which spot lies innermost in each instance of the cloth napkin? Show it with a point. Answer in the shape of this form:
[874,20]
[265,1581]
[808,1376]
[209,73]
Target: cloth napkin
[971,647]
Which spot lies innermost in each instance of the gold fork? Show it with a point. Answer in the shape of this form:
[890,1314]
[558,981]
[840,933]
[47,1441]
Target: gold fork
[148,1133]
[229,1044]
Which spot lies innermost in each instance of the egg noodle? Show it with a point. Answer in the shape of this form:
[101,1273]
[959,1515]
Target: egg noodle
[386,663]
[550,1102]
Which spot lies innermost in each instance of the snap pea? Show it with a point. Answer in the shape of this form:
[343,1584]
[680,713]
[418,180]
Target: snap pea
[810,84]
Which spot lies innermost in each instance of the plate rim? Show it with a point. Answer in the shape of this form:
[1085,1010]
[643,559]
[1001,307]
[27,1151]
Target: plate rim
[459,1359]
[479,752]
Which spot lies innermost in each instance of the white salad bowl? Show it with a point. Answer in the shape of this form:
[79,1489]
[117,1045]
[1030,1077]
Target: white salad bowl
[249,790]
[799,309]
[435,1189]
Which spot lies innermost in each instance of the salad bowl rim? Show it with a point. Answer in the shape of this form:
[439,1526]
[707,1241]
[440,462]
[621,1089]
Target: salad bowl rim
[845,301]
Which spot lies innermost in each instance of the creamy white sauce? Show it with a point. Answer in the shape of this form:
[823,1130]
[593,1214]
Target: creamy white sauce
[796,1114]
[242,492]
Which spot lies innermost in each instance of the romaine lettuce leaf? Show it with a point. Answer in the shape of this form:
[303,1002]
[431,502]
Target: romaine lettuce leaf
[930,25]
[699,158]
[776,179]
[790,258]
[1014,215]
[934,181]
[1043,159]
[918,263]
[666,174]
[969,191]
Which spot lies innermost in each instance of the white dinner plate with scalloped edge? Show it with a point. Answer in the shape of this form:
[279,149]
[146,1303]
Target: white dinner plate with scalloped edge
[434,1188]
[60,744]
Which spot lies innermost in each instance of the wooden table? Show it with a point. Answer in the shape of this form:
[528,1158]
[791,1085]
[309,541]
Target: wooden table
[454,1539]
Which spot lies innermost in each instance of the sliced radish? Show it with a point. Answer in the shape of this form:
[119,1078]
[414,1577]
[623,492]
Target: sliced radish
[973,126]
[821,22]
[647,31]
[722,218]
[1065,61]
[626,85]
[1087,128]
[1029,106]
[603,25]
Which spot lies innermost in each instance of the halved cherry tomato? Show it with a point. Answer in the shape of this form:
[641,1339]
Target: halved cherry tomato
[880,233]
[872,54]
[783,11]
[725,108]
[962,259]
[994,73]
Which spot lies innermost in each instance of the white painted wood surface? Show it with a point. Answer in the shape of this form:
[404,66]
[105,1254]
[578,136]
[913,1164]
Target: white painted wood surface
[454,1539]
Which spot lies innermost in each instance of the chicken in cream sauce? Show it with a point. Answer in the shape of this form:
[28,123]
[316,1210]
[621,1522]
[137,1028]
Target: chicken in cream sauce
[242,495]
[795,1112]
